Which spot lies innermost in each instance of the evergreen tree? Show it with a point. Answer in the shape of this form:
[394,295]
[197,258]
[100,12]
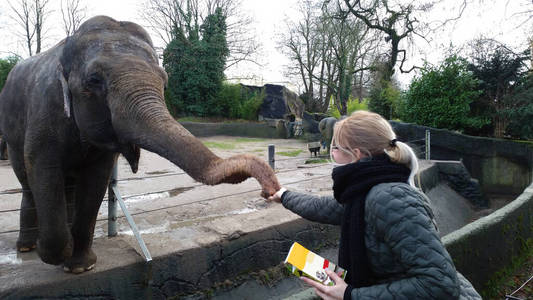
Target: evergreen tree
[194,61]
[519,109]
[498,71]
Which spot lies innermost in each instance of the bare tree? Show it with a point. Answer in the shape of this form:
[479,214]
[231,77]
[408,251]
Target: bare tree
[31,16]
[171,19]
[73,14]
[330,55]
[303,44]
[397,21]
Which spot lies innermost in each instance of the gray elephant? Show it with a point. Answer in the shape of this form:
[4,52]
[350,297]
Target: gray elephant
[325,126]
[3,149]
[71,110]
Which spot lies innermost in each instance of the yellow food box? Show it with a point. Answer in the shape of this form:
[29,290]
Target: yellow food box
[301,261]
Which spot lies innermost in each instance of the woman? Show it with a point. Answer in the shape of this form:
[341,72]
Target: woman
[389,241]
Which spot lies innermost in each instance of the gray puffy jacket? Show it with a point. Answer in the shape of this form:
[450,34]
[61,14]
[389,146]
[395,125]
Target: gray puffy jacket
[403,245]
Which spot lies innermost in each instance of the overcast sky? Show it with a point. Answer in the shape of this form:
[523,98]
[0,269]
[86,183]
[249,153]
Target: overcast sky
[496,19]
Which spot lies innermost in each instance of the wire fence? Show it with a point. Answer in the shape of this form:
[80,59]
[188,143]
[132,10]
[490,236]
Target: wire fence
[419,149]
[70,205]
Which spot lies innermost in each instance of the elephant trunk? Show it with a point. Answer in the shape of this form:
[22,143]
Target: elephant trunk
[148,124]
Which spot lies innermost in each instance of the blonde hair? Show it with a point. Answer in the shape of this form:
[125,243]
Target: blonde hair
[372,135]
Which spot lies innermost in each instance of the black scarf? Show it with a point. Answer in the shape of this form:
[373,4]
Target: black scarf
[351,184]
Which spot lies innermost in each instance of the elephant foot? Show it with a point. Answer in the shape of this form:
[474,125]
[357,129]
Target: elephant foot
[78,270]
[26,249]
[54,251]
[26,245]
[80,263]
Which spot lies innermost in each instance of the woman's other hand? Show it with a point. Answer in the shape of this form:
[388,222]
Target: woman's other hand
[334,292]
[277,196]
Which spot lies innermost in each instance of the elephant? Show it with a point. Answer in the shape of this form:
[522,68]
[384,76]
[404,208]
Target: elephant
[326,126]
[71,110]
[3,149]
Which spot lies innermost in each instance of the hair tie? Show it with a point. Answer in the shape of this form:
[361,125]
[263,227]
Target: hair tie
[393,143]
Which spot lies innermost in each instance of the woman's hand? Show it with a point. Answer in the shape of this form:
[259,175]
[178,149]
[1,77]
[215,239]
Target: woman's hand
[334,292]
[277,196]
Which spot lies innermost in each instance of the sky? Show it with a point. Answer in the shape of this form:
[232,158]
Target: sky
[491,18]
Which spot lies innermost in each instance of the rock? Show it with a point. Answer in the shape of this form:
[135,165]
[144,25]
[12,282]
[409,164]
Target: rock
[279,102]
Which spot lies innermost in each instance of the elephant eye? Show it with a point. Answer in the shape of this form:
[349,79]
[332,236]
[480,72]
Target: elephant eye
[95,80]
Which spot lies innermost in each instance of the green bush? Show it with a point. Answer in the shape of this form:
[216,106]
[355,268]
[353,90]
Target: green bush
[5,67]
[249,109]
[351,106]
[229,99]
[441,97]
[385,100]
[237,103]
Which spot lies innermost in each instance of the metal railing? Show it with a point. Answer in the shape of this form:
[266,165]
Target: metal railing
[115,197]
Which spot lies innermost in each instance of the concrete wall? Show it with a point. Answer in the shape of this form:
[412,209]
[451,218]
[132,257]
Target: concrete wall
[248,129]
[501,166]
[175,275]
[486,246]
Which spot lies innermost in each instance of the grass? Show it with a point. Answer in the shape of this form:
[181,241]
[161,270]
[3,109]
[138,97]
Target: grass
[232,144]
[219,145]
[317,161]
[290,153]
[211,120]
[248,140]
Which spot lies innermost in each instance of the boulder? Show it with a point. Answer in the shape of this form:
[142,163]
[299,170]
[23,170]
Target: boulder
[279,102]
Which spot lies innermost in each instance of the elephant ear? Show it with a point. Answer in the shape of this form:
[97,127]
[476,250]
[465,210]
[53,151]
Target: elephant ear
[67,99]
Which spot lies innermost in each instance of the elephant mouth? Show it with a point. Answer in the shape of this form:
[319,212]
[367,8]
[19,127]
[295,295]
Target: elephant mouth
[132,154]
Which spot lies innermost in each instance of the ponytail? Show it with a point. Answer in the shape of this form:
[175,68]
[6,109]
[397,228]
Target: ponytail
[401,153]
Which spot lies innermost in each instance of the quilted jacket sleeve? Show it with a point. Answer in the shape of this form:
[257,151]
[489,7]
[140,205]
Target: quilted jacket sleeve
[402,223]
[322,209]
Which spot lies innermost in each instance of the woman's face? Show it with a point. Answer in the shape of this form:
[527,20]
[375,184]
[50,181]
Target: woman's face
[342,156]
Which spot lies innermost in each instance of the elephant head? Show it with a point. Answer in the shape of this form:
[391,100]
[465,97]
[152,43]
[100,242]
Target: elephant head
[113,88]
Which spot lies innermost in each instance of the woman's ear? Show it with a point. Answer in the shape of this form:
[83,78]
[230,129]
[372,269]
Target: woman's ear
[357,153]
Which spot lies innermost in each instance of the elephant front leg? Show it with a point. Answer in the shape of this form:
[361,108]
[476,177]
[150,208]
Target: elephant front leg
[54,243]
[27,239]
[90,191]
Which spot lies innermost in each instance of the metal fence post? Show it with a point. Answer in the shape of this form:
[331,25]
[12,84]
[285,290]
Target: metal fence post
[112,204]
[428,144]
[271,160]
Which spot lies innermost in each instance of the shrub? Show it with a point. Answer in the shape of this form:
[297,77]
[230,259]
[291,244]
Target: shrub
[236,102]
[384,99]
[250,107]
[351,106]
[5,67]
[441,97]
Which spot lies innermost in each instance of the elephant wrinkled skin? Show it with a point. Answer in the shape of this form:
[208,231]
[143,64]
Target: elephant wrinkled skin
[67,114]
